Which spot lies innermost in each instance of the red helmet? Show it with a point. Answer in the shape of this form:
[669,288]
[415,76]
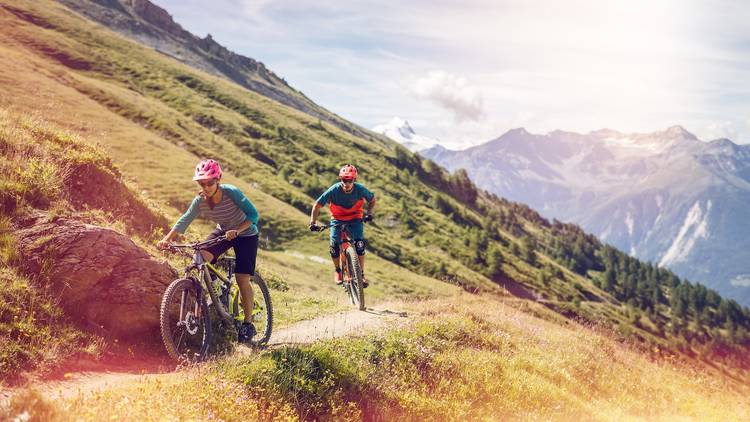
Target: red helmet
[207,169]
[348,172]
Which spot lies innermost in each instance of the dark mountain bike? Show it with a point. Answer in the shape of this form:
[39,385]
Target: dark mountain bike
[184,317]
[350,268]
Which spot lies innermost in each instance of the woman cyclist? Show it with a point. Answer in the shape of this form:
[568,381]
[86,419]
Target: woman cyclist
[237,219]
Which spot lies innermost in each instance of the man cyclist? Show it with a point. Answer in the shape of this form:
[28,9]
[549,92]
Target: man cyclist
[237,219]
[346,201]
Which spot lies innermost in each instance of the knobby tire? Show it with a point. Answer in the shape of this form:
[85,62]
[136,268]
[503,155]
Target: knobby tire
[168,324]
[355,271]
[264,333]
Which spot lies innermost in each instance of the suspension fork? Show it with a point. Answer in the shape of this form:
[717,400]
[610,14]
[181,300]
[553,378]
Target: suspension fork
[184,297]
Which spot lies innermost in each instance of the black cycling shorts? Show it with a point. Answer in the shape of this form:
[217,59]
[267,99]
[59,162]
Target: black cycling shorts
[245,250]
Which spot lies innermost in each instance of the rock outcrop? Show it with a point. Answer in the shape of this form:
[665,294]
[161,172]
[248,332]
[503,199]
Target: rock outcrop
[103,279]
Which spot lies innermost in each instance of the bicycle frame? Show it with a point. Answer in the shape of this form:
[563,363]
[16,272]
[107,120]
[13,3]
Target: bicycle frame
[179,315]
[345,244]
[205,269]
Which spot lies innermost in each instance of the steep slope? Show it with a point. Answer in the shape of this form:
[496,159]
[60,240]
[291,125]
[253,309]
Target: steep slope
[151,25]
[481,360]
[434,230]
[665,197]
[69,271]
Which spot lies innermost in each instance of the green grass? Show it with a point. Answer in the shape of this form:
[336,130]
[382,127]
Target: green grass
[472,359]
[45,165]
[471,362]
[35,332]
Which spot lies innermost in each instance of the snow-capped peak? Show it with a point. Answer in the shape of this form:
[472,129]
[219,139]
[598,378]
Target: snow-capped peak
[401,131]
[647,143]
[396,125]
[679,132]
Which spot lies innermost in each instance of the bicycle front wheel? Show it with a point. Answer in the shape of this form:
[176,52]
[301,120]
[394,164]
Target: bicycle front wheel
[185,322]
[355,273]
[262,310]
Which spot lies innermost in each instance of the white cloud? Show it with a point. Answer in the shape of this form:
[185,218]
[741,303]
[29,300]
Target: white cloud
[252,9]
[724,129]
[578,65]
[450,92]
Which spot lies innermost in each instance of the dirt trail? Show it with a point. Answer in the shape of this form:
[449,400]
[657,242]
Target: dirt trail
[335,325]
[103,377]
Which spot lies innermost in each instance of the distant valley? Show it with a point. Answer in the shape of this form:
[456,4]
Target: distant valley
[665,197]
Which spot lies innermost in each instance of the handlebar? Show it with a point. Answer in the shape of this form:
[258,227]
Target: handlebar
[197,246]
[324,227]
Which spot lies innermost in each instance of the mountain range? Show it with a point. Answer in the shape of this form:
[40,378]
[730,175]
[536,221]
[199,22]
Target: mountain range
[666,197]
[663,220]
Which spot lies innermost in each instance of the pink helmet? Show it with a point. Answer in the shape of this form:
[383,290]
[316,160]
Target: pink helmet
[207,169]
[348,172]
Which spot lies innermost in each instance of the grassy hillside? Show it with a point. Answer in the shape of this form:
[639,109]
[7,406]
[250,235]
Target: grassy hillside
[595,335]
[52,171]
[156,117]
[480,360]
[45,170]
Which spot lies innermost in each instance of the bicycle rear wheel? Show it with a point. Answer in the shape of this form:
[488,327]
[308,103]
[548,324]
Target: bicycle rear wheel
[262,310]
[185,322]
[356,292]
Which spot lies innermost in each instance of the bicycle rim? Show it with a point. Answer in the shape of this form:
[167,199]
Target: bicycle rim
[185,322]
[262,310]
[356,292]
[346,273]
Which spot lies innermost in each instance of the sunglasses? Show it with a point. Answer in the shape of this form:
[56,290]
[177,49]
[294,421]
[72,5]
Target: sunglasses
[347,181]
[207,184]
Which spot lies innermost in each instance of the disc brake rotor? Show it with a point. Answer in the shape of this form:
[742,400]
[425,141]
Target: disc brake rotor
[191,323]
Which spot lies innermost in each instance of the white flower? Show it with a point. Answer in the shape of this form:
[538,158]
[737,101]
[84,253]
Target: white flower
[23,417]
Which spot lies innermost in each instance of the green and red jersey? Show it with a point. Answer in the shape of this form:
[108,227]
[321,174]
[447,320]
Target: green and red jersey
[346,206]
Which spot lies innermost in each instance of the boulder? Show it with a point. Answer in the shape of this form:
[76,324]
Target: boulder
[101,276]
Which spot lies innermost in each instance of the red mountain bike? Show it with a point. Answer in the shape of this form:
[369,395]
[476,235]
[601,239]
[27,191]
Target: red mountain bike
[350,268]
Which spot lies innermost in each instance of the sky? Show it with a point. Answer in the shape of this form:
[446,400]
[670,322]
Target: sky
[465,72]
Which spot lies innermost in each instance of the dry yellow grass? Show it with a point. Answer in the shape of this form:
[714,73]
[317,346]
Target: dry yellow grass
[463,359]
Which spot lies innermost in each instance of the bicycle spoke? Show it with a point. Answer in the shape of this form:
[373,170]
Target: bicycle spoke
[178,343]
[184,321]
[183,299]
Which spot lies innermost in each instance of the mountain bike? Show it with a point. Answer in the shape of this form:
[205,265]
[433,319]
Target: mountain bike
[349,263]
[184,316]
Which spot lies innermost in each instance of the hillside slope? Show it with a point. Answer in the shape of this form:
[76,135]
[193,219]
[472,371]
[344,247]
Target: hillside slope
[665,197]
[472,360]
[67,260]
[156,117]
[151,25]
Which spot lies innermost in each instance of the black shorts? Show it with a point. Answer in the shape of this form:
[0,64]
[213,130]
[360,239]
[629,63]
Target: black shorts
[245,250]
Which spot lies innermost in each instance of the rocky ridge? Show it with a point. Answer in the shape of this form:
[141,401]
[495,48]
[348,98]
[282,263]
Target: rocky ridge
[151,25]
